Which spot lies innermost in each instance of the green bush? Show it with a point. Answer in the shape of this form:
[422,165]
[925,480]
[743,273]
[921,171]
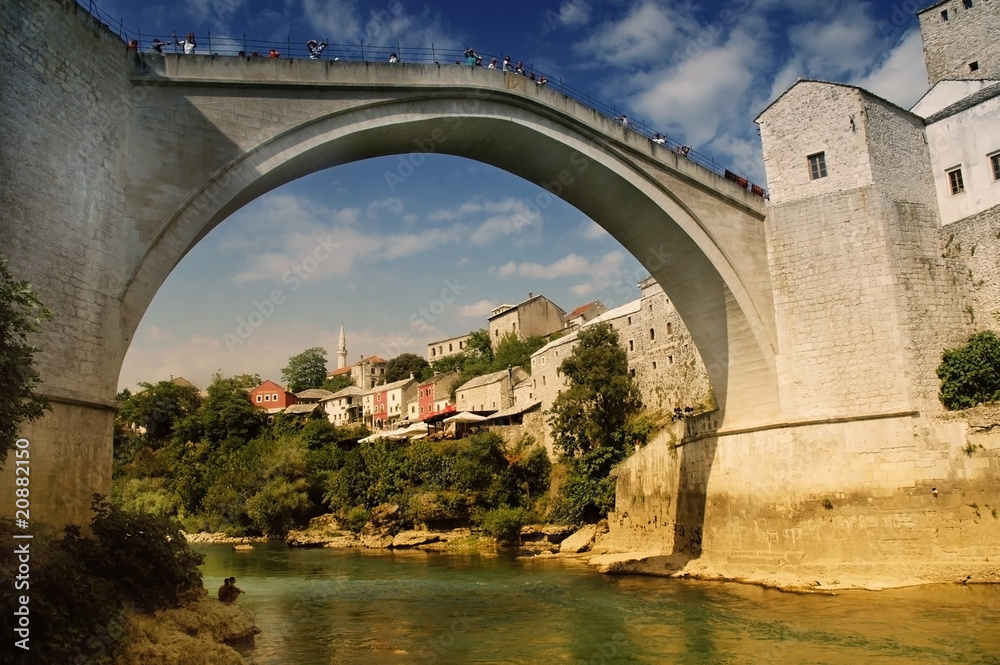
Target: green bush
[76,617]
[356,519]
[970,374]
[504,524]
[146,556]
[80,585]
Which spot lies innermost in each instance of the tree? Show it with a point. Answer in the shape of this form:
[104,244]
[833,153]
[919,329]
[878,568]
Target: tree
[227,412]
[479,343]
[512,351]
[158,407]
[589,422]
[305,370]
[339,382]
[970,374]
[21,313]
[601,396]
[405,364]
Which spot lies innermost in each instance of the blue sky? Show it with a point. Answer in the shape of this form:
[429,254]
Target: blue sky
[465,232]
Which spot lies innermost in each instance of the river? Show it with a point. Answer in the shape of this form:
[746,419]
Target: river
[320,606]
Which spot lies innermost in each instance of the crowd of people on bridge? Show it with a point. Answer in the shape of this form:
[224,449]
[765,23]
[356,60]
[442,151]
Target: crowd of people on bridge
[315,49]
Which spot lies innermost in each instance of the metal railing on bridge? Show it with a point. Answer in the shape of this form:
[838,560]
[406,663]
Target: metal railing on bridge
[361,52]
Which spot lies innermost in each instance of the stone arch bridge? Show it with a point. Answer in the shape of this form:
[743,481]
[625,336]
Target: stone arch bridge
[116,165]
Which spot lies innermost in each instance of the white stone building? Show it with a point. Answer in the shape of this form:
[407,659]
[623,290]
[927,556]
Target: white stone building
[344,406]
[489,393]
[447,347]
[661,356]
[535,317]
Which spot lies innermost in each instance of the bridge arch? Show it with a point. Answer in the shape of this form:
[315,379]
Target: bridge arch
[697,234]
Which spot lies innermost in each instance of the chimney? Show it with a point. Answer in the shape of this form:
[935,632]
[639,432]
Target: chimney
[530,295]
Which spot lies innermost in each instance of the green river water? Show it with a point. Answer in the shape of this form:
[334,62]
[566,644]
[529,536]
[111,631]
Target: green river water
[318,606]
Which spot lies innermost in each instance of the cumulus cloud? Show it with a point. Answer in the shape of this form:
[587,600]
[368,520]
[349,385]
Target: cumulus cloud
[344,21]
[286,237]
[475,311]
[901,76]
[601,272]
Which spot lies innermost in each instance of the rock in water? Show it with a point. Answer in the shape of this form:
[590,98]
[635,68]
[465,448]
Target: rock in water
[415,538]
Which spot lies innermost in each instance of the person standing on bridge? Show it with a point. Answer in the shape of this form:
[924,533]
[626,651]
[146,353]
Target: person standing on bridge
[315,49]
[157,46]
[189,43]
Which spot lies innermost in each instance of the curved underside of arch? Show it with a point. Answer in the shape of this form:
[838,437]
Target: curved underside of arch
[727,317]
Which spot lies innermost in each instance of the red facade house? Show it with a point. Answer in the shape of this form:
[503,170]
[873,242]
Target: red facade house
[271,397]
[434,396]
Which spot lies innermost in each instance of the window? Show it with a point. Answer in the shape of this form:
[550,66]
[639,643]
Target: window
[955,181]
[631,345]
[995,165]
[631,373]
[449,347]
[817,166]
[974,66]
[652,334]
[967,4]
[461,345]
[944,14]
[259,398]
[670,360]
[670,328]
[543,379]
[630,320]
[654,364]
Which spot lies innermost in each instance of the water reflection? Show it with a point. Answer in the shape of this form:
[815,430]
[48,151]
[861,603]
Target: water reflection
[365,607]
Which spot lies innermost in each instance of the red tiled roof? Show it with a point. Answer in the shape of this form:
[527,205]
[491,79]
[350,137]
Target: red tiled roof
[581,309]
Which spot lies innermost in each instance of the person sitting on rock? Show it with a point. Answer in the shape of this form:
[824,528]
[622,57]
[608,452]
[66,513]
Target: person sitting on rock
[234,591]
[224,590]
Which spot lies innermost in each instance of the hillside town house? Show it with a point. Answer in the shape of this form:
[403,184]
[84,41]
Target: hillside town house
[489,393]
[447,347]
[271,397]
[434,402]
[344,406]
[535,317]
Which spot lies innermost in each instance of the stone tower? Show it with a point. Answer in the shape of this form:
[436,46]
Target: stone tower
[342,349]
[960,40]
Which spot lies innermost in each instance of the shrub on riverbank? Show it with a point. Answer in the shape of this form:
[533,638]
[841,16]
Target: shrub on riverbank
[504,524]
[81,585]
[294,470]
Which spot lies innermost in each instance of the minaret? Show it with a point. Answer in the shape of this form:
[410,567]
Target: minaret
[342,349]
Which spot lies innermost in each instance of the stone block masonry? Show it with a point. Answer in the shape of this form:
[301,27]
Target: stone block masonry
[64,130]
[957,34]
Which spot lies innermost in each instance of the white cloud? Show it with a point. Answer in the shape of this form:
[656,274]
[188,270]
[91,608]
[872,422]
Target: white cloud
[591,230]
[602,272]
[343,21]
[477,310]
[901,76]
[574,13]
[644,35]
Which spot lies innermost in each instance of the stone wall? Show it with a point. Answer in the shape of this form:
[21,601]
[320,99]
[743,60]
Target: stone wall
[836,498]
[65,131]
[813,117]
[968,35]
[973,245]
[857,278]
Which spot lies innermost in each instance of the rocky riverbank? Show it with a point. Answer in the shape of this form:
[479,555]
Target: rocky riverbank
[198,633]
[383,530]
